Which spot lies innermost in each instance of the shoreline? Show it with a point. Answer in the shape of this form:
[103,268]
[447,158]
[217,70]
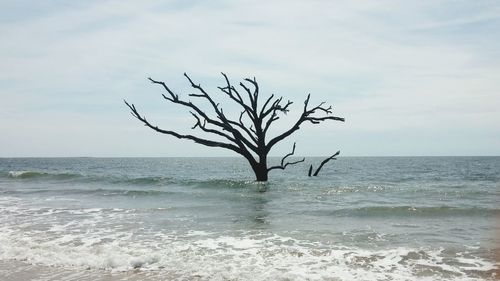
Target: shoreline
[24,270]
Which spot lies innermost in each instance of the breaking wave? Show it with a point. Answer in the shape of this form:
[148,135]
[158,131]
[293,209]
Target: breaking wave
[124,180]
[38,175]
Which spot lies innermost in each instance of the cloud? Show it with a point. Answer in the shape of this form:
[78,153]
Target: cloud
[388,67]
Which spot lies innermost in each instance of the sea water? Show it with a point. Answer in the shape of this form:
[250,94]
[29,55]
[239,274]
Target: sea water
[366,218]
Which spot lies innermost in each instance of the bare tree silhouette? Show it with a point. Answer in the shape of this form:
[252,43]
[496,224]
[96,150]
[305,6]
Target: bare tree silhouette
[248,141]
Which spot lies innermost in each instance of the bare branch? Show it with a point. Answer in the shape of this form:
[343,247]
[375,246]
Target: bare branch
[283,164]
[205,129]
[175,99]
[226,123]
[273,110]
[229,90]
[270,121]
[251,96]
[265,105]
[255,92]
[305,116]
[205,142]
[173,96]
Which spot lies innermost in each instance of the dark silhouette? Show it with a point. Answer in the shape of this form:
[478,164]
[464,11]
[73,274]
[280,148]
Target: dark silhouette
[249,141]
[322,164]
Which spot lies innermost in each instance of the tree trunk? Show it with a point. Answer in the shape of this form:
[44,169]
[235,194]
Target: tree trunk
[261,175]
[260,169]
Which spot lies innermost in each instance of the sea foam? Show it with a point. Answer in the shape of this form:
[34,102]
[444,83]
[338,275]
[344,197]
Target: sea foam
[248,256]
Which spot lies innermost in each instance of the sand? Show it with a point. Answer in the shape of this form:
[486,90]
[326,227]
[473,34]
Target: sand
[25,271]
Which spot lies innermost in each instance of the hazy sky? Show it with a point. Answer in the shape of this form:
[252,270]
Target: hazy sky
[410,77]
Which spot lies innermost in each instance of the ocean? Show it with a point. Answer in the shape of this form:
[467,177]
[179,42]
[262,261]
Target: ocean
[362,218]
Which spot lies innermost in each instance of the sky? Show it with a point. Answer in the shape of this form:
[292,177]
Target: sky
[411,78]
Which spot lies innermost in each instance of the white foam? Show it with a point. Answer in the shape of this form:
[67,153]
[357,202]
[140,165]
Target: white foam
[97,239]
[474,263]
[16,174]
[246,257]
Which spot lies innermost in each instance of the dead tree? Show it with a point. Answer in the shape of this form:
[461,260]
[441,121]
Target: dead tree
[322,164]
[247,140]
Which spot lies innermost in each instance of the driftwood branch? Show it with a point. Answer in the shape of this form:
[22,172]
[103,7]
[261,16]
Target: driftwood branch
[322,164]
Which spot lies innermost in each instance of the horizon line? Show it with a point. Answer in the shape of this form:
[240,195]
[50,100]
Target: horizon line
[312,156]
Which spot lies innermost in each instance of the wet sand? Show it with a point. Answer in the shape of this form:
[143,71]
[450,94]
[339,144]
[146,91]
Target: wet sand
[14,270]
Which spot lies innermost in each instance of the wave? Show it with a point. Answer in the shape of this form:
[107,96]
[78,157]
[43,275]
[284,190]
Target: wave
[410,211]
[135,193]
[35,175]
[109,179]
[93,191]
[113,185]
[116,180]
